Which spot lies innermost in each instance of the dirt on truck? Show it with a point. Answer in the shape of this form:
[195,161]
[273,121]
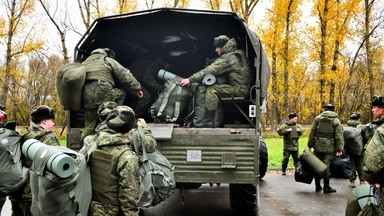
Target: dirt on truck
[229,154]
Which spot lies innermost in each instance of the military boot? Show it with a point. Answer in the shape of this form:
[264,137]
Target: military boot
[318,185]
[208,120]
[283,169]
[327,188]
[352,184]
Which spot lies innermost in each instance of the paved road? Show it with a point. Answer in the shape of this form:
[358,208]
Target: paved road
[279,196]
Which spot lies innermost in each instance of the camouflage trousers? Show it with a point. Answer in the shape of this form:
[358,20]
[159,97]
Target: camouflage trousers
[217,91]
[357,167]
[326,158]
[286,155]
[94,94]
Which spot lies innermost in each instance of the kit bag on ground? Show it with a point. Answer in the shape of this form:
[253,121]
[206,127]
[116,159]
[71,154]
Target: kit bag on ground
[69,85]
[301,175]
[353,141]
[13,174]
[312,164]
[157,177]
[60,180]
[341,167]
[363,201]
[172,102]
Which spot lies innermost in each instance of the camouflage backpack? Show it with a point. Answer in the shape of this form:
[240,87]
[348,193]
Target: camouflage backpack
[157,178]
[13,174]
[70,80]
[353,141]
[172,102]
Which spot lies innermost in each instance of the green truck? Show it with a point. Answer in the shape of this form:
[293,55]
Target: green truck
[235,154]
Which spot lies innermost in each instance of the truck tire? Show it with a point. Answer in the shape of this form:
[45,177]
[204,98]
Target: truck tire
[263,158]
[242,196]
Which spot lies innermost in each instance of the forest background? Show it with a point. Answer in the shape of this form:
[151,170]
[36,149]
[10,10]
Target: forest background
[319,51]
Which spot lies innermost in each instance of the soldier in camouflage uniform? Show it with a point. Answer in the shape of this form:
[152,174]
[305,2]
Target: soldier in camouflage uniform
[373,169]
[291,132]
[42,125]
[100,85]
[235,65]
[145,67]
[122,177]
[356,160]
[326,137]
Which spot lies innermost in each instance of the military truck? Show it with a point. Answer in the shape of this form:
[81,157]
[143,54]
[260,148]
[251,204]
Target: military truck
[228,155]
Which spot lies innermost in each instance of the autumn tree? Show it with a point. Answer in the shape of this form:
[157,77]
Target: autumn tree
[89,10]
[125,6]
[60,19]
[213,4]
[243,7]
[19,40]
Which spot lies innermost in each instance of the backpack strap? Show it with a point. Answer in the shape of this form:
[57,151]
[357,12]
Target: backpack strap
[137,145]
[166,98]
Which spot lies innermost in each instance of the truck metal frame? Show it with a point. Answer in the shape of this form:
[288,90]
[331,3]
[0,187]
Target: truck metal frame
[200,155]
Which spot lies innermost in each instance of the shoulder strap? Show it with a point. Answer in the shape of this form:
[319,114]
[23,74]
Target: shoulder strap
[166,98]
[137,144]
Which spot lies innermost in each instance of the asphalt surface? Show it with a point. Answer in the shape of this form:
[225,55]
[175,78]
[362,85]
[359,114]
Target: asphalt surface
[279,195]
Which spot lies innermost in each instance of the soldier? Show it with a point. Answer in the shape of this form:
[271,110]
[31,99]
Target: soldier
[145,67]
[374,152]
[326,137]
[231,62]
[42,125]
[103,74]
[122,177]
[3,115]
[356,160]
[291,132]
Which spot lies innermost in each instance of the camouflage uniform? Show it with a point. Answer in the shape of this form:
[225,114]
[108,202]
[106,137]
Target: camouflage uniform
[356,160]
[122,198]
[22,199]
[236,66]
[103,75]
[373,159]
[145,69]
[291,142]
[326,137]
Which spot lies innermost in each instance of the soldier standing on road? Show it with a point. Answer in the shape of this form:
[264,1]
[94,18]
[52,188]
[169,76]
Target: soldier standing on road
[356,160]
[232,62]
[291,132]
[326,137]
[103,74]
[42,125]
[374,151]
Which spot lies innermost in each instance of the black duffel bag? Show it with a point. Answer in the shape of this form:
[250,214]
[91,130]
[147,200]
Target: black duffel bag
[301,175]
[341,167]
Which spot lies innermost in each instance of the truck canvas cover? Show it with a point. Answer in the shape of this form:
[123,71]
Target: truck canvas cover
[184,36]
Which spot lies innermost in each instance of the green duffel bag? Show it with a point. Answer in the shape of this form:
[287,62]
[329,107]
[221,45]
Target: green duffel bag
[69,85]
[312,164]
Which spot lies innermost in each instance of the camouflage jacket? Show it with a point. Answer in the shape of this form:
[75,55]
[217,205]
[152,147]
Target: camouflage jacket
[374,156]
[47,137]
[290,137]
[100,67]
[232,62]
[128,173]
[326,134]
[146,69]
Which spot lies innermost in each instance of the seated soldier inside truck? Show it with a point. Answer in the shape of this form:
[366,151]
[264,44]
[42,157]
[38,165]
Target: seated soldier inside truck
[231,62]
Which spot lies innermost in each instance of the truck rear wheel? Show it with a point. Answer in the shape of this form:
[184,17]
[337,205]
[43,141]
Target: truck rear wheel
[263,158]
[242,196]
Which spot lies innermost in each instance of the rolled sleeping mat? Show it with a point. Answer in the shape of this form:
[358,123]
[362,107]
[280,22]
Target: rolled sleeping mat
[209,79]
[312,164]
[165,75]
[59,163]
